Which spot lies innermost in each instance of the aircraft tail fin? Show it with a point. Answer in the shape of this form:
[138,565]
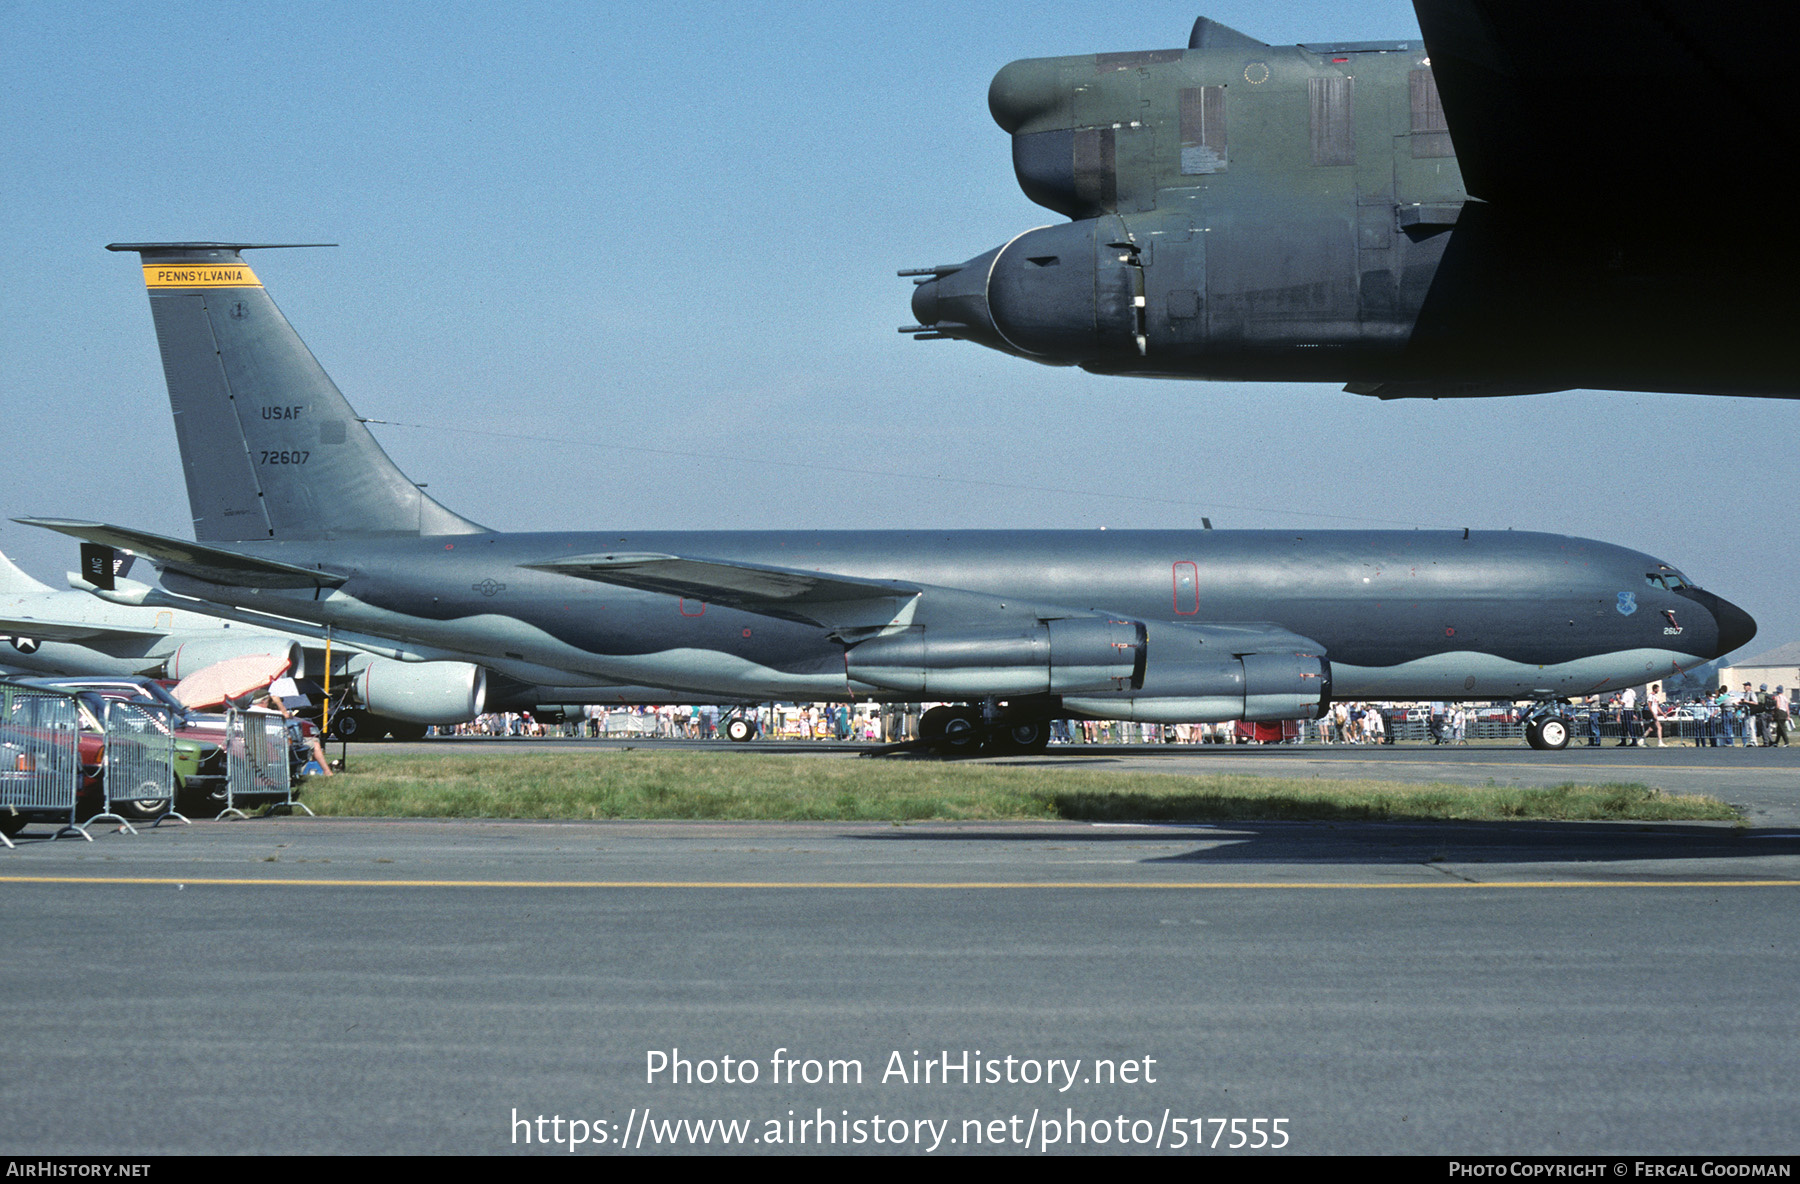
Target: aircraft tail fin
[270,448]
[14,580]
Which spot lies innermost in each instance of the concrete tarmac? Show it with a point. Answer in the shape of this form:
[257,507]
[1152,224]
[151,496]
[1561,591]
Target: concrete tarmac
[301,985]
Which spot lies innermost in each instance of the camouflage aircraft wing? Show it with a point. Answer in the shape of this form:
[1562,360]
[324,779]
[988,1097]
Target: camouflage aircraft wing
[816,598]
[1579,104]
[213,564]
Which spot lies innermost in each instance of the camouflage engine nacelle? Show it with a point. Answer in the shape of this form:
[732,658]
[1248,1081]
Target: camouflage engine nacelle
[436,693]
[1046,657]
[1073,294]
[1251,687]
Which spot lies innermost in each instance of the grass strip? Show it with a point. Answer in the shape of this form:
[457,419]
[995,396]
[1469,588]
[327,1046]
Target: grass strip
[639,785]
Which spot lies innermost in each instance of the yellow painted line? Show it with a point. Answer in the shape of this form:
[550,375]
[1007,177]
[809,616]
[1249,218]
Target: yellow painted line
[199,275]
[1393,769]
[964,885]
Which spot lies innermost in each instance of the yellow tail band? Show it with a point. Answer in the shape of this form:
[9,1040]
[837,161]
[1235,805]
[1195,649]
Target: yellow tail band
[199,275]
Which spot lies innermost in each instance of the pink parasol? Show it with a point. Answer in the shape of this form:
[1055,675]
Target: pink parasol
[230,679]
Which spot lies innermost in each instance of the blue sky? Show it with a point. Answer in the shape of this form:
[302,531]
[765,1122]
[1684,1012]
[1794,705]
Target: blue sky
[633,267]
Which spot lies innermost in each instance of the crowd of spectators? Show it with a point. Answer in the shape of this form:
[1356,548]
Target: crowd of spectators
[1753,717]
[1346,723]
[1723,717]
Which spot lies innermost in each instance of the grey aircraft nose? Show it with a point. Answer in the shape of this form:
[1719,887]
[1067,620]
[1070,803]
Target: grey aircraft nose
[1736,627]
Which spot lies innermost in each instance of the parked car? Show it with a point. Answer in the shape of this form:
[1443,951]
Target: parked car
[33,739]
[199,739]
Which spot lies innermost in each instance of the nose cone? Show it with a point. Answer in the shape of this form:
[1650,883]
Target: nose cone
[1736,627]
[1732,626]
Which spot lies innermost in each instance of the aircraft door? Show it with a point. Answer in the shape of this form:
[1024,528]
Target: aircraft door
[1187,588]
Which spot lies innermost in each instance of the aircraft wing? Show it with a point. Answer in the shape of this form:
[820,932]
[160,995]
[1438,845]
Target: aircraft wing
[213,564]
[1577,105]
[814,597]
[38,629]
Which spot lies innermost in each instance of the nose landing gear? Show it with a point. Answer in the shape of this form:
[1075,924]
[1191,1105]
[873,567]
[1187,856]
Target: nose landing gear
[1547,728]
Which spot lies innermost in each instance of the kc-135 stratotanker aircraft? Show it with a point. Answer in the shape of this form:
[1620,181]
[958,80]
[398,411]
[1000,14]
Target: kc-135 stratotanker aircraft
[298,512]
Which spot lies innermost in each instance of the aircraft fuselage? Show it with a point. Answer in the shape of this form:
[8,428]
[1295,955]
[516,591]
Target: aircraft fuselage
[1401,614]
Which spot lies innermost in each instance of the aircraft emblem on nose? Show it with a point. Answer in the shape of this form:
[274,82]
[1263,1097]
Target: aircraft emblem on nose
[488,588]
[1627,603]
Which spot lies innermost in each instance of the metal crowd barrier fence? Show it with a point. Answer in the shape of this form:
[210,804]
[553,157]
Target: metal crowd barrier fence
[1684,729]
[40,759]
[140,763]
[1482,729]
[626,723]
[257,767]
[1585,725]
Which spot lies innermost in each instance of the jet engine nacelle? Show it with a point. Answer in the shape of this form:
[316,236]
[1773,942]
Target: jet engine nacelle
[191,654]
[1045,657]
[420,692]
[1252,687]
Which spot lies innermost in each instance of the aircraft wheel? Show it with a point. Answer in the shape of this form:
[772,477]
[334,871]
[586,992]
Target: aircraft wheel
[1533,736]
[952,731]
[11,825]
[1023,738]
[739,730]
[1553,733]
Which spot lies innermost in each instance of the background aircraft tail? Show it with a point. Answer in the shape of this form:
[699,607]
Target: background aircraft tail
[13,580]
[270,448]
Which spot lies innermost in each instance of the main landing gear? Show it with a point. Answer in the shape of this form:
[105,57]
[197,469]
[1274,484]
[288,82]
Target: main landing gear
[969,731]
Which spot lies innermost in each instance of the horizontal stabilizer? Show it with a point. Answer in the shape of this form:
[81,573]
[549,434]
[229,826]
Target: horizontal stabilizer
[772,591]
[1430,389]
[40,630]
[188,248]
[198,560]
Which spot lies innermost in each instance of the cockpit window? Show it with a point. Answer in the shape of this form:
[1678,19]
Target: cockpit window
[1666,578]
